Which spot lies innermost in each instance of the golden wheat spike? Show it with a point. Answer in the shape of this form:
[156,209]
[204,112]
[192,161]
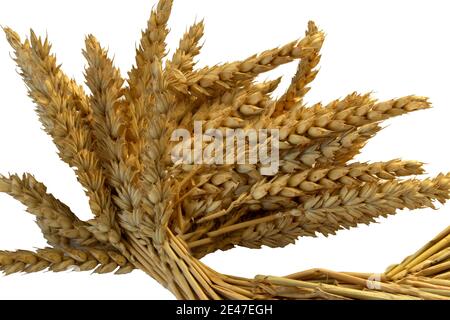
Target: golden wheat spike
[58,223]
[188,48]
[152,45]
[57,260]
[206,81]
[304,76]
[325,214]
[105,84]
[138,94]
[66,115]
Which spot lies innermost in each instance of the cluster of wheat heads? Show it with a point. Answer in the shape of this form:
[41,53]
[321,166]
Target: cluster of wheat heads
[161,217]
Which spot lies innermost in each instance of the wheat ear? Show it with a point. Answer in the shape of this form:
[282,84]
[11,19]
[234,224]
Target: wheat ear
[93,259]
[306,74]
[61,112]
[188,48]
[58,223]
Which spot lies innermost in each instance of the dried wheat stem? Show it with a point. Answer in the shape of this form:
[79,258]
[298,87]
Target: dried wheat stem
[333,289]
[146,259]
[440,242]
[432,260]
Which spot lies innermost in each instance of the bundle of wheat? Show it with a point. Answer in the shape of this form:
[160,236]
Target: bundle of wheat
[162,216]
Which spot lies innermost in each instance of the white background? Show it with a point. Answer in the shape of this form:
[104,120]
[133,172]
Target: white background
[392,48]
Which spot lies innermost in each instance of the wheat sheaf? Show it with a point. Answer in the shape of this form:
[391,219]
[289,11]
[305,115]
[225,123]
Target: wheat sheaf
[162,218]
